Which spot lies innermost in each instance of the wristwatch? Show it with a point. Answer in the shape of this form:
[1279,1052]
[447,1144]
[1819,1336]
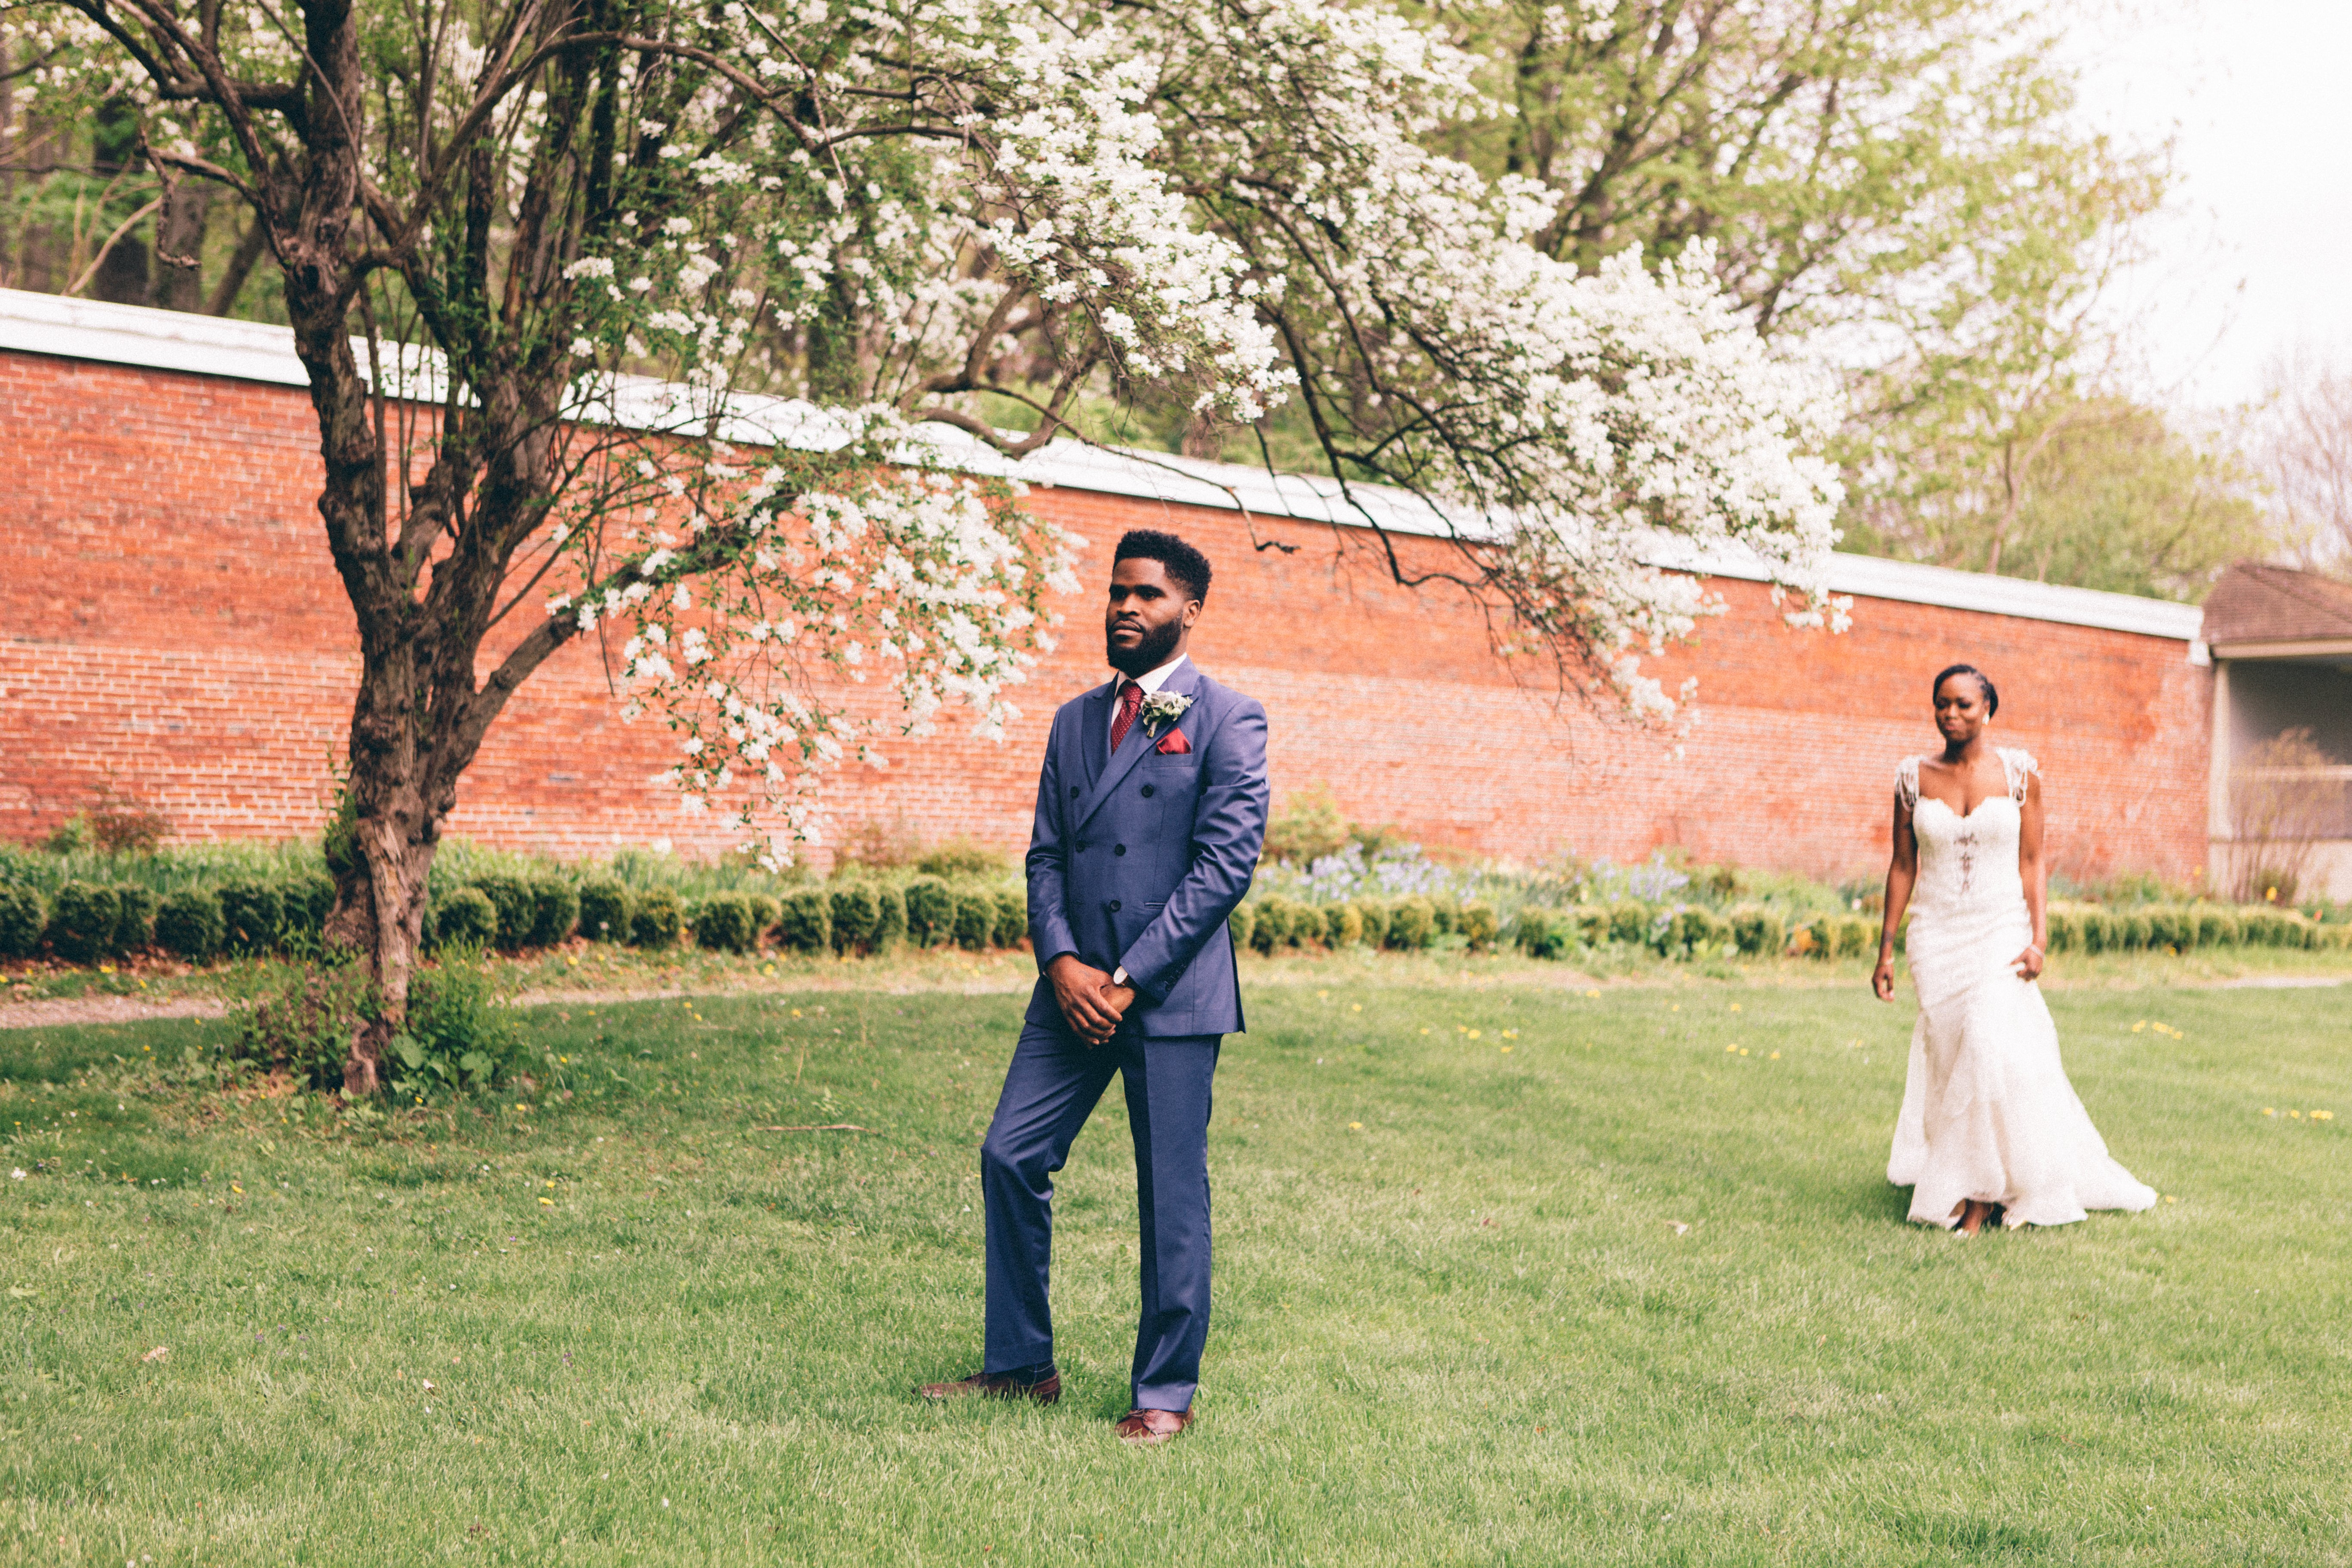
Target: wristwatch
[1119,977]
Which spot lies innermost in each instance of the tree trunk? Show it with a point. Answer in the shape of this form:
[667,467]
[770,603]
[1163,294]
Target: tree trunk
[180,239]
[380,911]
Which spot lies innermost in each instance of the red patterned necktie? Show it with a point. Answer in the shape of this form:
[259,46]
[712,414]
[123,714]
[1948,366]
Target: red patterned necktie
[1130,702]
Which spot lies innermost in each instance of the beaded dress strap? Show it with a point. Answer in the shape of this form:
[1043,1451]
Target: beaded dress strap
[2019,765]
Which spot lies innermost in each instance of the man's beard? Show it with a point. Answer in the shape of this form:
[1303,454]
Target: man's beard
[1158,644]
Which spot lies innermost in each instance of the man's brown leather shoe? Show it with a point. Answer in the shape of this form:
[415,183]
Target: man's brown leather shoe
[1045,1391]
[1144,1428]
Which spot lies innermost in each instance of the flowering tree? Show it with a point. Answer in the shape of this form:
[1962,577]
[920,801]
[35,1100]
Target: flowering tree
[629,318]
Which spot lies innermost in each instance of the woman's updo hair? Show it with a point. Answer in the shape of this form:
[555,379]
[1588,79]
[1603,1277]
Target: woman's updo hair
[1984,681]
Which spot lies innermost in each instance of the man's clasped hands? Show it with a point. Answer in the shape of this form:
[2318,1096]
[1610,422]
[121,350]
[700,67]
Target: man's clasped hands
[1091,1002]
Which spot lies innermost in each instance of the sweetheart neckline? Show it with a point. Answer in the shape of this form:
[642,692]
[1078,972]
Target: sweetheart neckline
[1961,815]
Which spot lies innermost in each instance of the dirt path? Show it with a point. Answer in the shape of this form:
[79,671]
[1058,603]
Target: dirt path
[64,1010]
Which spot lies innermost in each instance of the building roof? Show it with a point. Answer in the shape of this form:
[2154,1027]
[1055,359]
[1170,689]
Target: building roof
[255,351]
[2258,604]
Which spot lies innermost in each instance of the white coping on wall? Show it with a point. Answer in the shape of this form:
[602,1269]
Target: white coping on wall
[253,351]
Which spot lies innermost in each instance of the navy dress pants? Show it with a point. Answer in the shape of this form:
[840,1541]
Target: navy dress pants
[1050,1089]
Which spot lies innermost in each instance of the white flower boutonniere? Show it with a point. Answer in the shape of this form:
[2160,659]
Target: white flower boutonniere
[1160,709]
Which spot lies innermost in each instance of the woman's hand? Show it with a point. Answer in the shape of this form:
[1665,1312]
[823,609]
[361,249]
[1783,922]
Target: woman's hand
[1882,979]
[2029,963]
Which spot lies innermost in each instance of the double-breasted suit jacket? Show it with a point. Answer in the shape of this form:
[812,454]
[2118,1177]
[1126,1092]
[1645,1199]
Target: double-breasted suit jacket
[1138,856]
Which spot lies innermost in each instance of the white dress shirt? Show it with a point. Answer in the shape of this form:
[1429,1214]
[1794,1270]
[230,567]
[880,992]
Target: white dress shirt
[1151,681]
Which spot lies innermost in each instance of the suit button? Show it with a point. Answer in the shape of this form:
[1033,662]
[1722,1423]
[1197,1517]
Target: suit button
[1146,791]
[1119,848]
[1114,905]
[1082,846]
[1073,791]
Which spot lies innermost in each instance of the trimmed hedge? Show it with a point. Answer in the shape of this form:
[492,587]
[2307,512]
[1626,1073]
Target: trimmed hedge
[1240,923]
[1412,925]
[1011,916]
[188,925]
[310,899]
[604,910]
[931,911]
[23,918]
[510,896]
[251,915]
[82,919]
[135,925]
[554,910]
[806,924]
[856,914]
[1543,933]
[975,921]
[722,922]
[890,922]
[1479,926]
[463,917]
[656,918]
[1629,922]
[765,912]
[1375,913]
[1343,925]
[1759,931]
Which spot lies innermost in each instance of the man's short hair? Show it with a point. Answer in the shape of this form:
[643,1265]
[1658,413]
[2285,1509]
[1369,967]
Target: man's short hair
[1182,563]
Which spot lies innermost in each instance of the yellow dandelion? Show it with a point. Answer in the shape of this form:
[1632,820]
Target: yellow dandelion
[1355,1127]
[1424,1031]
[1729,1050]
[1506,1050]
[2296,1114]
[1675,1008]
[2268,1112]
[2138,1026]
[1743,1050]
[1355,1007]
[796,1012]
[2322,1116]
[1474,1034]
[1322,994]
[2170,1199]
[1776,1056]
[1735,1007]
[1592,994]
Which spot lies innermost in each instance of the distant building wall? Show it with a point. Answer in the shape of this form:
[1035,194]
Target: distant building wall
[169,618]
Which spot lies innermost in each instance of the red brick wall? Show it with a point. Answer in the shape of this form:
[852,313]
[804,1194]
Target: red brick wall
[167,611]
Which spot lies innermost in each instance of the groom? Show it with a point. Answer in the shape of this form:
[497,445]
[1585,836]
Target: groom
[1150,812]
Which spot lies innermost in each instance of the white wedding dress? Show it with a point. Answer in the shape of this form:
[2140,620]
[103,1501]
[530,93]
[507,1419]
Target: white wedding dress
[1988,1113]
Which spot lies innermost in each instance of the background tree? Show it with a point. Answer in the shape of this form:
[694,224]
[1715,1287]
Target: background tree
[2306,452]
[548,263]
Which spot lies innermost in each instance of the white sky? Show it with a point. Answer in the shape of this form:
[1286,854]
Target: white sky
[2258,255]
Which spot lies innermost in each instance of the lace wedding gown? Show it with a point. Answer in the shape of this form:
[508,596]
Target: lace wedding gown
[1988,1113]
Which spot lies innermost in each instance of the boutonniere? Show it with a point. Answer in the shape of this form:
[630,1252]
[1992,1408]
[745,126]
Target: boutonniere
[1161,709]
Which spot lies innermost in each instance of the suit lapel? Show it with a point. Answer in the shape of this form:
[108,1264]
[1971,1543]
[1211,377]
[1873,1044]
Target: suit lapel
[1184,682]
[1094,735]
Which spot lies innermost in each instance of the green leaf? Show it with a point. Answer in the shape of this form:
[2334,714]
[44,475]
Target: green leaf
[475,1063]
[405,1046]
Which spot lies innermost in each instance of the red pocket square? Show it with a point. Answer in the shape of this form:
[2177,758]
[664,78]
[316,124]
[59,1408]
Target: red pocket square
[1173,744]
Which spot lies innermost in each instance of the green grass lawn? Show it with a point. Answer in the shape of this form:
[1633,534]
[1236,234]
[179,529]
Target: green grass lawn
[1589,1286]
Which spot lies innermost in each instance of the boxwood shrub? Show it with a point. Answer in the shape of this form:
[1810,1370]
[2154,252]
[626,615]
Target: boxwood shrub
[188,923]
[510,896]
[1011,916]
[1445,914]
[1375,913]
[890,921]
[1479,926]
[1855,936]
[1412,924]
[931,911]
[806,924]
[604,910]
[1629,921]
[252,911]
[134,923]
[554,910]
[2063,931]
[656,918]
[856,912]
[23,918]
[1540,932]
[310,899]
[2217,927]
[463,918]
[765,912]
[1343,925]
[1238,925]
[1758,931]
[722,922]
[82,919]
[975,921]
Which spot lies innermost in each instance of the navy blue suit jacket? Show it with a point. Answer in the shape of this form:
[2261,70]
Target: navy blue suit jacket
[1138,858]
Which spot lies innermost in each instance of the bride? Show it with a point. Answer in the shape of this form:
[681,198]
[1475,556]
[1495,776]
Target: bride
[1989,1123]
